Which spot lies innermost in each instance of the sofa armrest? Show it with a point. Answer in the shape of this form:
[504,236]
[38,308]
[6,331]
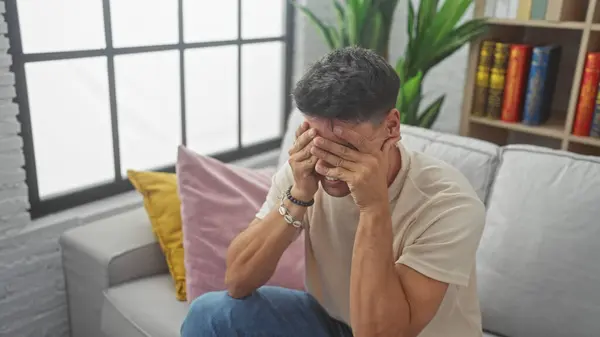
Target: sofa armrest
[102,254]
[115,250]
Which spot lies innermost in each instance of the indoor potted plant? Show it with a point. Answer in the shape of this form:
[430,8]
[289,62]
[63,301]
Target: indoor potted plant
[434,32]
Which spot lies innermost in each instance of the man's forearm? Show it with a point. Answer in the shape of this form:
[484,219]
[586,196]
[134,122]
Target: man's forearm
[252,257]
[378,305]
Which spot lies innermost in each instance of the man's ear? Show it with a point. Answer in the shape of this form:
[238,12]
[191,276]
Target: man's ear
[392,124]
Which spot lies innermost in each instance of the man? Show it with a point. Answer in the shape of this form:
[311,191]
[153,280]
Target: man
[391,234]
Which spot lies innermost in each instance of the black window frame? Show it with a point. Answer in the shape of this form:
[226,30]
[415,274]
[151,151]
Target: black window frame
[120,184]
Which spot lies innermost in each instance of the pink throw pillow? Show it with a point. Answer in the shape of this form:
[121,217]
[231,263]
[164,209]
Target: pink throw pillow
[218,201]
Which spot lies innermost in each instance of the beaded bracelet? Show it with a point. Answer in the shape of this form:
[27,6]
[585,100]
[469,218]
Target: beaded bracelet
[289,196]
[288,217]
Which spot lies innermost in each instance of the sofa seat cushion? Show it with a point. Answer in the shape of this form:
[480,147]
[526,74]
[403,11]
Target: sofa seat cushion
[538,270]
[489,334]
[477,160]
[144,307]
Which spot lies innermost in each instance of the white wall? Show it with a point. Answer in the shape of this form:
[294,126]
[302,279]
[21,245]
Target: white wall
[448,77]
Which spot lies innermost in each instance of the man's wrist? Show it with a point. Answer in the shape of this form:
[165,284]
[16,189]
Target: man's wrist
[375,210]
[300,195]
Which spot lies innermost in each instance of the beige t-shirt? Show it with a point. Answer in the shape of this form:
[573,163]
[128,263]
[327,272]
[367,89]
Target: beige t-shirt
[437,223]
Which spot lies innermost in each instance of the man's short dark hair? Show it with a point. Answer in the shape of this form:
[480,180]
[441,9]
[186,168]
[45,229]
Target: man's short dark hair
[350,84]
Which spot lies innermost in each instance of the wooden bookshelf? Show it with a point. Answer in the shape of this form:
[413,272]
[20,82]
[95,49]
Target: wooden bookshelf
[538,23]
[552,129]
[577,39]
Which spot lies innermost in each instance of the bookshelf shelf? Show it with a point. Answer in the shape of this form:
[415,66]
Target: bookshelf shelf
[539,23]
[551,129]
[577,35]
[585,140]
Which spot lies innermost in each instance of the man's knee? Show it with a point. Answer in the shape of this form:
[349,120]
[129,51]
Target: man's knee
[265,312]
[207,315]
[210,304]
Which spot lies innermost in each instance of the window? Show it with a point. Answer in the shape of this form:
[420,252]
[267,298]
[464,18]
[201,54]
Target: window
[110,85]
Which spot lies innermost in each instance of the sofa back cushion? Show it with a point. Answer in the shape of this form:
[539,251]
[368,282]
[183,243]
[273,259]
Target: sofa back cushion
[538,270]
[477,160]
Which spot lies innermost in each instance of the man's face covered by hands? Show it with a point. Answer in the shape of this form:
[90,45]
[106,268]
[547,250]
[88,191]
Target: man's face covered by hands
[375,134]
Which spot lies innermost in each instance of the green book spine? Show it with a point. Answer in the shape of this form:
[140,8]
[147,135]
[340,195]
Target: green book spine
[538,9]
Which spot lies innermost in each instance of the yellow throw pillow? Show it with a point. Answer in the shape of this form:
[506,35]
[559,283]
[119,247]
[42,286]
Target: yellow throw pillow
[163,206]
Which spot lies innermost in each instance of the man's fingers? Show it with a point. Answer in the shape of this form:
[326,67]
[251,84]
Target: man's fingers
[301,155]
[301,129]
[309,164]
[332,159]
[337,149]
[333,172]
[357,140]
[303,140]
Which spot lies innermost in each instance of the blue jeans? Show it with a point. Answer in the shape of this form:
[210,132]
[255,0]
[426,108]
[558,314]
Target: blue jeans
[268,312]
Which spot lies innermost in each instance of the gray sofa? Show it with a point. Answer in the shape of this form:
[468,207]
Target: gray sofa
[537,270]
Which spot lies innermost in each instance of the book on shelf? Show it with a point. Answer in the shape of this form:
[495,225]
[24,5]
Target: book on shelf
[538,9]
[586,102]
[516,80]
[551,10]
[497,80]
[566,10]
[482,82]
[490,9]
[595,131]
[502,9]
[541,84]
[524,10]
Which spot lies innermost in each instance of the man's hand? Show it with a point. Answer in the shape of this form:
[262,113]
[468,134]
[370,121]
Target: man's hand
[303,163]
[365,171]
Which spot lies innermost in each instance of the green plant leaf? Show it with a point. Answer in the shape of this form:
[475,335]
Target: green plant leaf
[431,113]
[336,39]
[353,16]
[387,8]
[367,24]
[426,14]
[340,12]
[454,41]
[409,111]
[375,32]
[322,27]
[446,19]
[370,25]
[412,88]
[409,99]
[411,20]
[400,70]
[418,44]
[437,29]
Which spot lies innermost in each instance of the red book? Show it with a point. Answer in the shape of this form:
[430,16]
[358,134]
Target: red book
[516,82]
[587,95]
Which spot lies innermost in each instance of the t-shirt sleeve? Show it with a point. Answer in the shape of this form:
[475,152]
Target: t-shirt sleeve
[280,182]
[449,231]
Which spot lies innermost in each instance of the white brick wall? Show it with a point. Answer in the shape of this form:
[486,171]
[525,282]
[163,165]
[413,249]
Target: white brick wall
[32,298]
